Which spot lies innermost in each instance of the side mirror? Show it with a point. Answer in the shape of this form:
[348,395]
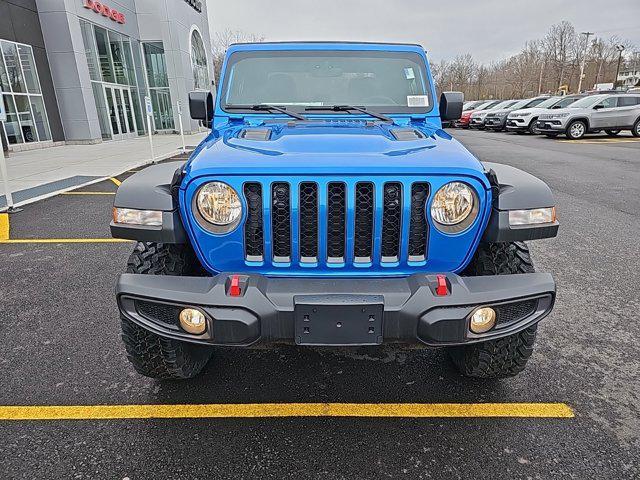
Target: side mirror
[451,105]
[201,107]
[598,107]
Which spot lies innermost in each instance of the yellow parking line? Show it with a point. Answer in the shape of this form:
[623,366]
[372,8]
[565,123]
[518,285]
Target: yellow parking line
[116,181]
[4,226]
[65,240]
[265,410]
[88,193]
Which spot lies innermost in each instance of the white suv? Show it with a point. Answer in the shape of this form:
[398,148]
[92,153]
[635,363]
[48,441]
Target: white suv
[525,119]
[609,112]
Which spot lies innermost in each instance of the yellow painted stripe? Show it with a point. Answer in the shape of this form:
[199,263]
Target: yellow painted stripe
[116,181]
[88,193]
[66,240]
[4,226]
[266,410]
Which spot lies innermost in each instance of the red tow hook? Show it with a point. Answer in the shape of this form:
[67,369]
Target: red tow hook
[234,288]
[442,290]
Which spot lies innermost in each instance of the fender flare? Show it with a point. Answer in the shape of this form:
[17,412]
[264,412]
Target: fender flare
[514,189]
[154,188]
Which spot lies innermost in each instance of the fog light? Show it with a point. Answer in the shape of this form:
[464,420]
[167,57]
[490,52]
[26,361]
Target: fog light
[193,321]
[483,320]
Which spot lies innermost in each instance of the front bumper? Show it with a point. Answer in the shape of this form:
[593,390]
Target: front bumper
[476,122]
[551,126]
[495,123]
[517,124]
[342,311]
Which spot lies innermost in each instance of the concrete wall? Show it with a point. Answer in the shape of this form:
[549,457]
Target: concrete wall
[19,22]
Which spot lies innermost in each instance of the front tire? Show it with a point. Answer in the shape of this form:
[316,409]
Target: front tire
[576,130]
[612,133]
[150,354]
[533,129]
[635,130]
[507,356]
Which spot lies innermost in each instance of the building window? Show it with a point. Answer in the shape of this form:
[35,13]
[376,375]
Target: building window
[199,62]
[155,61]
[112,70]
[27,120]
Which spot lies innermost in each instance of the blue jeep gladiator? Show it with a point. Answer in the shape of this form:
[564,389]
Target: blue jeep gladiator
[328,207]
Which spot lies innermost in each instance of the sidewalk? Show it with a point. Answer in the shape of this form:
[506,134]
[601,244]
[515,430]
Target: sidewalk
[37,173]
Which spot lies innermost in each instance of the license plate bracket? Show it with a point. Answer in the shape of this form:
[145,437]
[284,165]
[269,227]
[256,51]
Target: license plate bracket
[338,319]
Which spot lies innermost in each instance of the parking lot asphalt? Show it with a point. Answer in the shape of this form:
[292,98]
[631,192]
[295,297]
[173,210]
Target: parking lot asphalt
[61,347]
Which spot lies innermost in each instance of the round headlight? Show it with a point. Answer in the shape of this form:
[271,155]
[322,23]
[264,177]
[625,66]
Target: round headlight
[219,204]
[454,207]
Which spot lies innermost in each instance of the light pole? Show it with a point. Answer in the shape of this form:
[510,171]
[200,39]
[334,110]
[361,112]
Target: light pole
[584,58]
[620,49]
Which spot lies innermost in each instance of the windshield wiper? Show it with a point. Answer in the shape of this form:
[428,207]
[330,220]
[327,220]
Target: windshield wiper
[266,108]
[347,108]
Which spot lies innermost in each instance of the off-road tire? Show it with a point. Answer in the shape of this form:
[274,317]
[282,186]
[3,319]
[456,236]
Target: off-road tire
[573,132]
[612,132]
[507,356]
[635,130]
[150,354]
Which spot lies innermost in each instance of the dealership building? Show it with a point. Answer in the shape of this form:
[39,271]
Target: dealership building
[78,71]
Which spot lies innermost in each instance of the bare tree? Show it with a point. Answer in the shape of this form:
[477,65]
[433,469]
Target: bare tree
[223,40]
[561,45]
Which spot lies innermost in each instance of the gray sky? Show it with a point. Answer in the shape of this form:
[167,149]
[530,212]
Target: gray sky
[488,29]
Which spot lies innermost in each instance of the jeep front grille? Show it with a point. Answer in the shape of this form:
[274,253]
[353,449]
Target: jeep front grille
[333,223]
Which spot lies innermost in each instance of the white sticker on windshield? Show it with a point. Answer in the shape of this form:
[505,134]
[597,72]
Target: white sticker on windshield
[408,73]
[417,100]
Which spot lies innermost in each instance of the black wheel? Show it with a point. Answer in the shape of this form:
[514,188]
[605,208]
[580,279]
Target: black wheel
[612,133]
[551,135]
[635,131]
[576,130]
[533,129]
[152,355]
[507,356]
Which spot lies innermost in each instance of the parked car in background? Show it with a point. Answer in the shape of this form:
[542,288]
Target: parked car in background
[465,119]
[496,119]
[611,113]
[525,119]
[466,107]
[476,120]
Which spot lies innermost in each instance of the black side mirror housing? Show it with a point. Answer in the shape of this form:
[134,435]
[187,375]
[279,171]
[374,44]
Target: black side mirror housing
[598,107]
[201,107]
[451,105]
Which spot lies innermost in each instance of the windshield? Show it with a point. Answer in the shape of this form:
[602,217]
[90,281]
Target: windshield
[519,104]
[488,105]
[565,102]
[548,102]
[394,82]
[587,102]
[504,104]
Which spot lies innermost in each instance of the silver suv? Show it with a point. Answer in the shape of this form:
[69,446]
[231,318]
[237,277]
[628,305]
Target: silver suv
[611,113]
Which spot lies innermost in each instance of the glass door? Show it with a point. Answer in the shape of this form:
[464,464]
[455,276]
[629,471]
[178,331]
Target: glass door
[121,117]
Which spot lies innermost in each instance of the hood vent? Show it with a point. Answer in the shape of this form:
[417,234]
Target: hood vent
[256,134]
[407,134]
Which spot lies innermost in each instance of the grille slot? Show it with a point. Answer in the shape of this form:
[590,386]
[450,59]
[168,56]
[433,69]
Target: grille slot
[308,222]
[336,222]
[253,229]
[161,312]
[511,312]
[364,213]
[281,221]
[418,228]
[391,221]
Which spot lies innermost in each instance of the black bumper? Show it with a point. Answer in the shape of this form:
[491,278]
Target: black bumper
[335,311]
